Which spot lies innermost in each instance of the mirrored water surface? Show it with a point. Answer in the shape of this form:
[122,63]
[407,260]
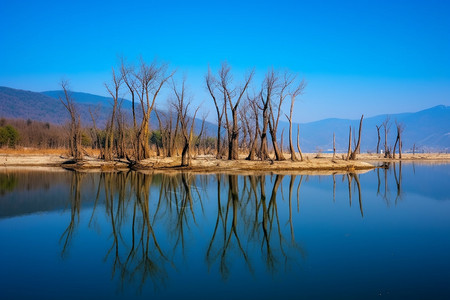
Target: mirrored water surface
[381,234]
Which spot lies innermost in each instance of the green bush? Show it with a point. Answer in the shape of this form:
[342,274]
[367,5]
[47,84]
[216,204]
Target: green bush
[9,136]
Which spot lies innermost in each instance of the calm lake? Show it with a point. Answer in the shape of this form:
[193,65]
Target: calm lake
[381,234]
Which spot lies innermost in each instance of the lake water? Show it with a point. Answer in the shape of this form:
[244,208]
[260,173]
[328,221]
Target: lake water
[382,234]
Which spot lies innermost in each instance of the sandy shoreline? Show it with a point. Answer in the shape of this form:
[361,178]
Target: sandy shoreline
[323,163]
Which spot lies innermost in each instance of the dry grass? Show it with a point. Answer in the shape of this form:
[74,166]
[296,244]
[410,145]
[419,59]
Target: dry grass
[44,151]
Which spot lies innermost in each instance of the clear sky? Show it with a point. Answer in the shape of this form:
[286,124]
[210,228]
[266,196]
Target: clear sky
[371,57]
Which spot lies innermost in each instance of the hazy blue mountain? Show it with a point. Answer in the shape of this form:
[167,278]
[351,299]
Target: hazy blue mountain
[428,129]
[30,105]
[90,99]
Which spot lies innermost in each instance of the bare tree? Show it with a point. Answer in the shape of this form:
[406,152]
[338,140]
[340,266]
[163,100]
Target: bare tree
[211,84]
[150,80]
[113,90]
[181,105]
[386,125]
[296,92]
[349,150]
[254,112]
[75,122]
[129,78]
[233,96]
[96,135]
[358,144]
[275,112]
[379,138]
[298,142]
[266,94]
[398,140]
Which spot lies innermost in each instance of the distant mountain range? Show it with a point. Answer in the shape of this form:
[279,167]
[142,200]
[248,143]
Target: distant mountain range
[428,129]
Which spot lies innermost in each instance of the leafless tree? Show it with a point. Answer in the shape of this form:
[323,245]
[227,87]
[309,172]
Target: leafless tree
[386,125]
[379,138]
[282,91]
[349,150]
[75,122]
[296,92]
[266,94]
[298,142]
[211,84]
[96,131]
[254,117]
[113,90]
[358,144]
[233,96]
[129,78]
[150,80]
[181,105]
[398,139]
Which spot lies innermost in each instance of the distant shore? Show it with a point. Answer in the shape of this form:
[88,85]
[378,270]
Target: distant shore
[313,162]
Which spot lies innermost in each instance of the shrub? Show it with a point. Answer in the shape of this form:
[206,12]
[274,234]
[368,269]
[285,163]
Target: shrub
[8,136]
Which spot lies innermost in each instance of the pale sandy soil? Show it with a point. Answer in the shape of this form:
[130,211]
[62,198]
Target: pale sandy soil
[313,163]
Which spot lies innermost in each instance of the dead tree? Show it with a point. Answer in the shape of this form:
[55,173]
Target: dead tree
[129,78]
[386,125]
[181,105]
[113,90]
[298,91]
[233,96]
[398,140]
[75,122]
[211,85]
[274,113]
[379,138]
[120,141]
[254,112]
[358,144]
[98,141]
[150,80]
[298,142]
[266,94]
[201,134]
[349,150]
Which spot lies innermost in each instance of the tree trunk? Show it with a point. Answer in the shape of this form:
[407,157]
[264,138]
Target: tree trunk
[298,142]
[291,144]
[349,151]
[379,138]
[264,146]
[358,144]
[185,153]
[395,146]
[233,146]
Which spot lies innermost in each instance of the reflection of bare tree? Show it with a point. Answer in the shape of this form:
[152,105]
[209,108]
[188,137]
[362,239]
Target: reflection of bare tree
[135,204]
[397,178]
[398,181]
[75,204]
[350,177]
[260,223]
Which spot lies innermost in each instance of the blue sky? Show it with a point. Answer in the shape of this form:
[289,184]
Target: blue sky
[370,57]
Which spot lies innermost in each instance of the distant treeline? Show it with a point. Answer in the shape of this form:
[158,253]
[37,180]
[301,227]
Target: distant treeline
[44,135]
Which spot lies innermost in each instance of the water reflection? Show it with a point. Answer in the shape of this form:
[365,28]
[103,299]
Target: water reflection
[247,223]
[396,169]
[148,228]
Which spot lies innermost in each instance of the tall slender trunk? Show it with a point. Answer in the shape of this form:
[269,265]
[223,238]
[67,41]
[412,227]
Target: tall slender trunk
[298,142]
